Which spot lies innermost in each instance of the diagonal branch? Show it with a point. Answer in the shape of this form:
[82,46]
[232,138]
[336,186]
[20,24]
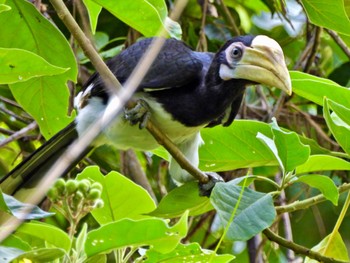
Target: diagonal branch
[298,248]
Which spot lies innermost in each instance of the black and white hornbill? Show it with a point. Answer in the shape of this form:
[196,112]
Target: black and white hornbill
[184,90]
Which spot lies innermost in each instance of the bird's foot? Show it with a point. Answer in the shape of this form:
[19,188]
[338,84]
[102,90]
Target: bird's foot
[206,188]
[138,114]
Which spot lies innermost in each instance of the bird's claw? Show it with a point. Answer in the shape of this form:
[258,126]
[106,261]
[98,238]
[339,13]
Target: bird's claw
[138,114]
[206,188]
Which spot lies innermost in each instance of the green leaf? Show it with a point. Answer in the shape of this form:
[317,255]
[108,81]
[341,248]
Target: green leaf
[342,111]
[185,197]
[45,233]
[271,145]
[328,14]
[186,253]
[94,11]
[16,242]
[323,163]
[286,147]
[131,233]
[14,66]
[339,129]
[315,88]
[335,249]
[20,210]
[322,183]
[228,148]
[4,8]
[255,212]
[150,17]
[116,193]
[45,98]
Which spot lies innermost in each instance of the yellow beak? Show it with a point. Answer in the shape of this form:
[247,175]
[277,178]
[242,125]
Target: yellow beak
[264,63]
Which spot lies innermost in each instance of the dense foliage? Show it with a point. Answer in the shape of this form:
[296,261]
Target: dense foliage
[285,159]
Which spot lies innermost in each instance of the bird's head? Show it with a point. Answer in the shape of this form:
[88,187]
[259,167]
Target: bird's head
[258,59]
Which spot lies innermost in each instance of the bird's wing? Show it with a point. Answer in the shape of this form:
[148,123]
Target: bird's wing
[175,66]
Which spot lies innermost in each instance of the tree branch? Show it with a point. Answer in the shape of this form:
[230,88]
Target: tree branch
[19,134]
[299,205]
[298,248]
[339,41]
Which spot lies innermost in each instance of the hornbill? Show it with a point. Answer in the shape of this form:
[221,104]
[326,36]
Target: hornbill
[184,91]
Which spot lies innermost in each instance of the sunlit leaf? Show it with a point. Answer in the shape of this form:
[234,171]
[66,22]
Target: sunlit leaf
[94,11]
[335,249]
[134,233]
[328,14]
[14,66]
[228,148]
[45,98]
[186,253]
[323,163]
[315,88]
[46,233]
[116,194]
[339,129]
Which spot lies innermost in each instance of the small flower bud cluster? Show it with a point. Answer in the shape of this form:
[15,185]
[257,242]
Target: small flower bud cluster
[75,198]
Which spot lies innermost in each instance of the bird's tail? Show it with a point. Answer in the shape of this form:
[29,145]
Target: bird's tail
[33,168]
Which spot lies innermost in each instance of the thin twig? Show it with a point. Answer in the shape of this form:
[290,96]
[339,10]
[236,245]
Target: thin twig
[24,119]
[313,124]
[339,41]
[316,42]
[230,18]
[19,134]
[298,248]
[305,204]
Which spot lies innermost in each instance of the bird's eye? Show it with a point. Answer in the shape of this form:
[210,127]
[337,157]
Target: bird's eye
[236,53]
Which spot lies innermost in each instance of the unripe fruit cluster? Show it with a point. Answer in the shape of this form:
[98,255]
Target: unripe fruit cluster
[80,195]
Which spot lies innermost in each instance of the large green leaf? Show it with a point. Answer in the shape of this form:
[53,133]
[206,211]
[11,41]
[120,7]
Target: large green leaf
[315,88]
[329,14]
[339,128]
[45,98]
[122,197]
[336,248]
[228,148]
[185,197]
[322,183]
[323,163]
[255,211]
[186,253]
[45,233]
[14,66]
[153,232]
[286,147]
[146,16]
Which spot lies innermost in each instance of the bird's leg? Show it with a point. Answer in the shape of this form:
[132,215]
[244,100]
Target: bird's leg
[206,188]
[138,113]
